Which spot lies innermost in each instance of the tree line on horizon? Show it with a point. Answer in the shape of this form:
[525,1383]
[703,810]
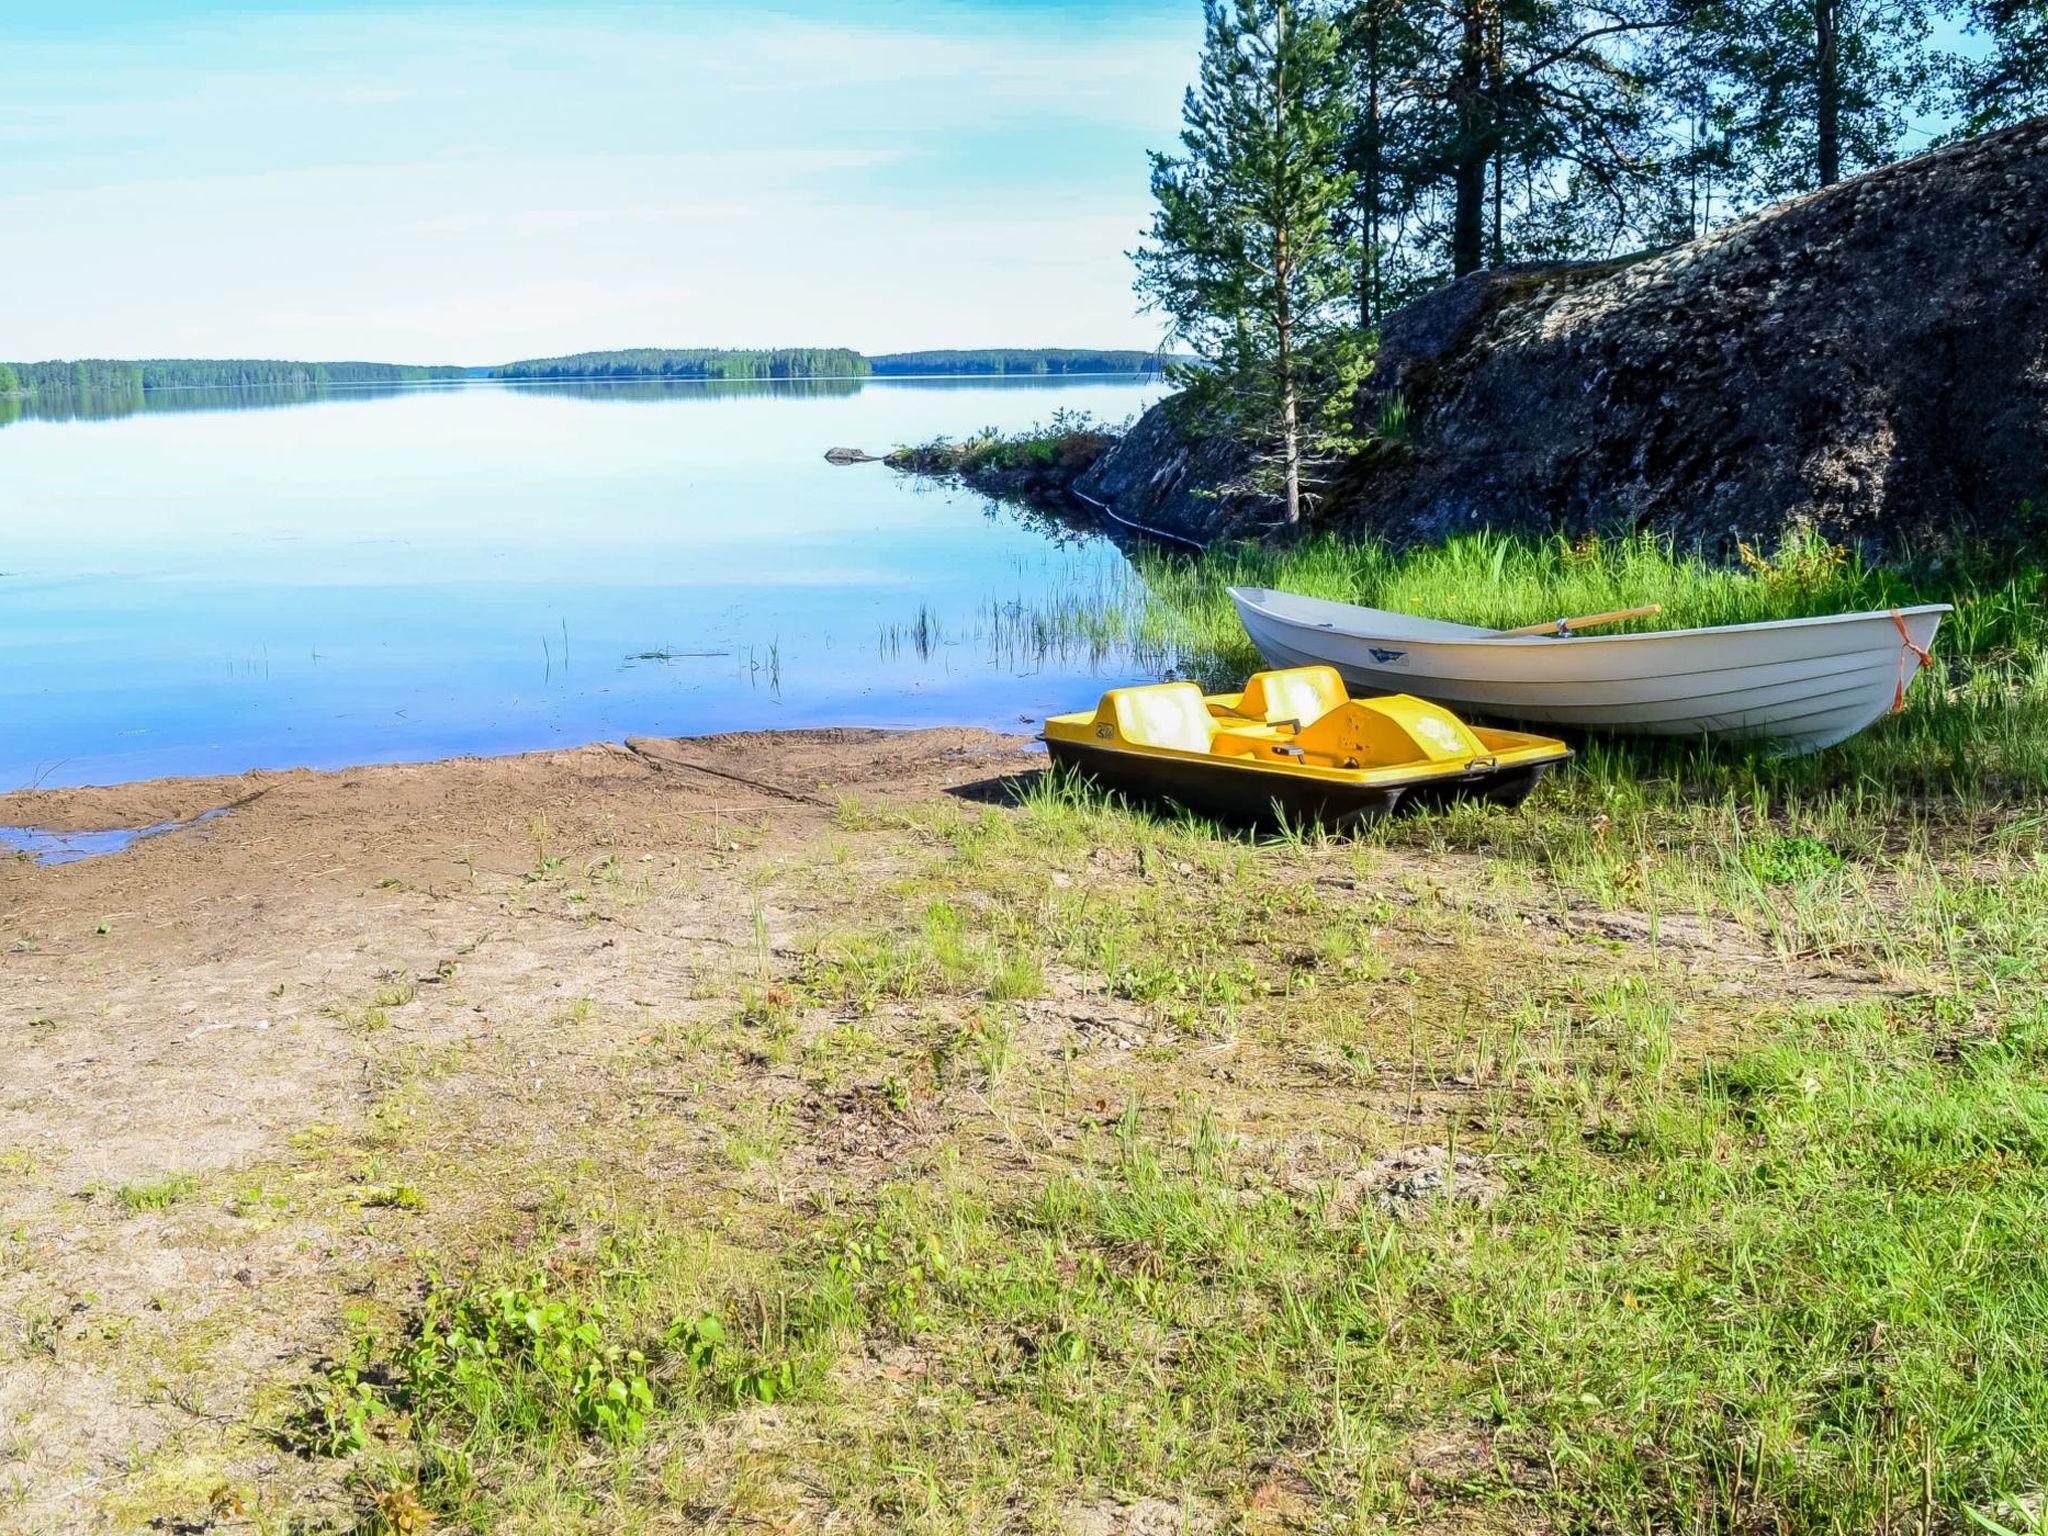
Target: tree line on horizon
[1340,157]
[1037,361]
[824,362]
[692,363]
[112,377]
[105,379]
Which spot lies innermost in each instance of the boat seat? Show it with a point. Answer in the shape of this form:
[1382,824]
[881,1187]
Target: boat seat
[1301,694]
[1400,728]
[1169,715]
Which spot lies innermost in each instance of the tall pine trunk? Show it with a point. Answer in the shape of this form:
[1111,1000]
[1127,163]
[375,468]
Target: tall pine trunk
[1283,298]
[1496,44]
[1500,244]
[1472,155]
[1283,366]
[1468,215]
[1828,90]
[1370,180]
[1290,424]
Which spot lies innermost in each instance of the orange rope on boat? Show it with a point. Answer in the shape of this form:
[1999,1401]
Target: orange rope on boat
[1899,698]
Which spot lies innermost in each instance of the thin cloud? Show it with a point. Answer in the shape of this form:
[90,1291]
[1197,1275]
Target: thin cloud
[469,184]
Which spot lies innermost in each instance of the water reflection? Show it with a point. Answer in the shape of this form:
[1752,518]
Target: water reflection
[682,390]
[214,583]
[114,401]
[41,847]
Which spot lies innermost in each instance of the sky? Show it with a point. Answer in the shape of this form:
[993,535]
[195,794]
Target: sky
[473,181]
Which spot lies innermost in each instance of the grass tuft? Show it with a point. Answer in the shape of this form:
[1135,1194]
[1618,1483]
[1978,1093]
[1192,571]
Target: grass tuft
[155,1194]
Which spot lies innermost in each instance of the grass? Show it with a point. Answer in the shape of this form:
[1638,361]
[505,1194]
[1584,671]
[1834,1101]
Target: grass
[1501,580]
[1655,1331]
[156,1194]
[1748,1262]
[539,1365]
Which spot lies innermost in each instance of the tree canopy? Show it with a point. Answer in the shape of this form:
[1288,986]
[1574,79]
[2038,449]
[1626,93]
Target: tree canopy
[1485,132]
[1247,253]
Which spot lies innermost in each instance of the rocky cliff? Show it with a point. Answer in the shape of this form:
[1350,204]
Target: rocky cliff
[1870,361]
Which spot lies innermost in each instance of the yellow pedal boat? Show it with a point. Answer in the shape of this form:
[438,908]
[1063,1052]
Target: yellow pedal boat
[1294,746]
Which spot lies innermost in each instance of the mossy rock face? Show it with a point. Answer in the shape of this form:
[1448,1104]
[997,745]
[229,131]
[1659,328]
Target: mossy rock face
[1869,362]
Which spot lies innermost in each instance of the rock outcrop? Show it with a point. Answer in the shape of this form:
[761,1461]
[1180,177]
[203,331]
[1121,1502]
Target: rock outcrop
[1158,477]
[1870,361]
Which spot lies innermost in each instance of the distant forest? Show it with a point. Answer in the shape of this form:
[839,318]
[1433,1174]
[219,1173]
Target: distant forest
[182,373]
[1035,360]
[105,380]
[692,363]
[108,376]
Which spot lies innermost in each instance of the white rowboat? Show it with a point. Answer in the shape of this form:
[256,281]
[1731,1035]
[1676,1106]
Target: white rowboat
[1802,683]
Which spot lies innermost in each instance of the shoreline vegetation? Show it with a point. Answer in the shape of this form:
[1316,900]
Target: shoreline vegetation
[692,363]
[114,377]
[1037,466]
[1975,725]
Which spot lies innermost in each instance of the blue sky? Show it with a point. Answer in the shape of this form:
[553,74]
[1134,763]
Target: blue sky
[471,181]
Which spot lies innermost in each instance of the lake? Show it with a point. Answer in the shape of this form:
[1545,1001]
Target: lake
[228,581]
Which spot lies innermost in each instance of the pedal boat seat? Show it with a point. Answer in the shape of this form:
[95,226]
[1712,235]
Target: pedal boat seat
[1296,716]
[1298,694]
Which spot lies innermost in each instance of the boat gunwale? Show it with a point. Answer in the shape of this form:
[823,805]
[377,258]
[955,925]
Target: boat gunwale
[1879,667]
[1482,636]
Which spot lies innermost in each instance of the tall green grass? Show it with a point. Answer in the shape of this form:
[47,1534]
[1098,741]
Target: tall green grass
[1975,725]
[1504,580]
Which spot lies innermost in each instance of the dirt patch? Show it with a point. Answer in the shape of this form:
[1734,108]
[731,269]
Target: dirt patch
[1404,1182]
[155,803]
[212,1033]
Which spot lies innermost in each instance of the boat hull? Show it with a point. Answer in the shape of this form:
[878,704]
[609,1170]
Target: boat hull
[1248,797]
[1803,684]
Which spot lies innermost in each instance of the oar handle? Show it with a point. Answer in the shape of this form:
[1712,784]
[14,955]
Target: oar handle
[1585,621]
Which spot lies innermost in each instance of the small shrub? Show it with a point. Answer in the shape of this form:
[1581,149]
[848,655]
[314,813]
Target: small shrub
[337,1413]
[1784,860]
[155,1194]
[537,1358]
[399,1512]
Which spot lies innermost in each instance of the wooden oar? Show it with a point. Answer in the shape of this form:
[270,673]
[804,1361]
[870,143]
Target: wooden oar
[1566,626]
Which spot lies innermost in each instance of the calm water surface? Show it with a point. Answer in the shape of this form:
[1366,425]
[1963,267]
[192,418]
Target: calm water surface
[411,574]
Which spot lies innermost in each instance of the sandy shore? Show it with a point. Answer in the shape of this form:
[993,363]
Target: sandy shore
[204,1007]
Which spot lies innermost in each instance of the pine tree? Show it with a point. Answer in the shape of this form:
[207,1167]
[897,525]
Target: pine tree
[1812,90]
[1247,253]
[1506,129]
[1384,43]
[2007,79]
